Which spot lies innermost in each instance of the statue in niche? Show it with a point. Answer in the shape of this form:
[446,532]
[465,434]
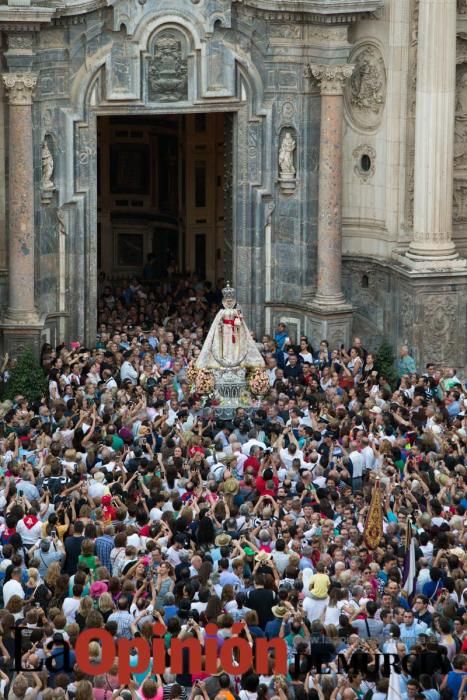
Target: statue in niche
[286,165]
[47,167]
[167,73]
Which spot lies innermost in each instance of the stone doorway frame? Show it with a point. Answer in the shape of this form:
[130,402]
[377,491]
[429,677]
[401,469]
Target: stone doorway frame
[249,195]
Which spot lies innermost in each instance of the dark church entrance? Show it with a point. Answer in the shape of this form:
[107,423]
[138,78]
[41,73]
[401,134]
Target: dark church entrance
[163,195]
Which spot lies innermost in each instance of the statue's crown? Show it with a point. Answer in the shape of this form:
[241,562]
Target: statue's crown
[228,293]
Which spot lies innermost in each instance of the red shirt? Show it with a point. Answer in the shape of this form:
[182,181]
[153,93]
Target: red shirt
[251,462]
[262,488]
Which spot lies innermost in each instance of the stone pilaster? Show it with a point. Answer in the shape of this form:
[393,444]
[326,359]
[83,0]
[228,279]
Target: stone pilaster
[434,134]
[21,316]
[330,312]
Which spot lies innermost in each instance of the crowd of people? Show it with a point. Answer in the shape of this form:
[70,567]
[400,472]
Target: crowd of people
[125,501]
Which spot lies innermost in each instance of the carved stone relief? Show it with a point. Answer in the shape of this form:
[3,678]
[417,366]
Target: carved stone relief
[462,7]
[366,91]
[120,67]
[406,315]
[167,71]
[459,209]
[440,319]
[460,147]
[20,41]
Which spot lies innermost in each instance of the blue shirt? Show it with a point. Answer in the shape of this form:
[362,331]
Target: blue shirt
[454,682]
[280,339]
[405,365]
[104,546]
[273,627]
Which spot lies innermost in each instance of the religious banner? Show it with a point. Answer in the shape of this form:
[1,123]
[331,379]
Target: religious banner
[373,532]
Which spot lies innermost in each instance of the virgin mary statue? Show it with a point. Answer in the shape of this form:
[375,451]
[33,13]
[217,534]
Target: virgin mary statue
[229,343]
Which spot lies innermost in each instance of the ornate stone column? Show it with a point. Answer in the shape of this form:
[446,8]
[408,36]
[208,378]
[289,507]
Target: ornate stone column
[330,309]
[331,79]
[21,312]
[434,132]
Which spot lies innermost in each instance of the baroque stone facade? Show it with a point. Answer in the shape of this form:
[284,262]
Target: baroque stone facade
[321,180]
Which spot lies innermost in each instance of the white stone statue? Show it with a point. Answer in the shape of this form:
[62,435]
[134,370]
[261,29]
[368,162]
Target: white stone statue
[229,343]
[47,167]
[287,169]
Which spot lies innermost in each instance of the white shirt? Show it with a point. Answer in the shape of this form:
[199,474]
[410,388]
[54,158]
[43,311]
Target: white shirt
[368,457]
[11,588]
[288,458]
[69,608]
[155,514]
[97,489]
[252,443]
[29,535]
[127,371]
[358,462]
[241,459]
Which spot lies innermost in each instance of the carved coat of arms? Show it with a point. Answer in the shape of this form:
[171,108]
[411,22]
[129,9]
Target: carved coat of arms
[167,72]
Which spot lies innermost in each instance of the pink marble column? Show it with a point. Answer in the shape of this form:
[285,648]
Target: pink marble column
[21,308]
[329,288]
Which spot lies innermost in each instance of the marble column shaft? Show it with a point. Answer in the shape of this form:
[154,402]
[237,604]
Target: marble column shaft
[329,287]
[20,87]
[434,130]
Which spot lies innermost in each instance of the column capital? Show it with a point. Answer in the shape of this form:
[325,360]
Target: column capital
[20,87]
[331,77]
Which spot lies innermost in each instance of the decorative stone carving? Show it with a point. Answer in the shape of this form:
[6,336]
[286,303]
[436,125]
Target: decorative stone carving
[406,315]
[459,209]
[287,170]
[285,31]
[460,127]
[20,87]
[462,7]
[440,319]
[366,91]
[288,109]
[167,72]
[20,42]
[61,221]
[47,161]
[331,78]
[365,157]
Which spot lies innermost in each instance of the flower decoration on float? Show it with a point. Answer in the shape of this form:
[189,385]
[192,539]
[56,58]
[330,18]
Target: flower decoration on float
[204,382]
[258,382]
[191,373]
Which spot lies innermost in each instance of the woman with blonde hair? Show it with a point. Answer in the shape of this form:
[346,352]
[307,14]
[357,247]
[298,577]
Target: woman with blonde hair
[84,608]
[105,605]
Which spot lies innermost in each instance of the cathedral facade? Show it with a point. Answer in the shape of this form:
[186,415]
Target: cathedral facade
[313,151]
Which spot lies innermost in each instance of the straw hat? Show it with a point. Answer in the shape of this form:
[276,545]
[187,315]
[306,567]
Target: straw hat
[263,556]
[279,611]
[222,540]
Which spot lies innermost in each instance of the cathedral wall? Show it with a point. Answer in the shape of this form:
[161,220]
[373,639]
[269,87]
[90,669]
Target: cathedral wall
[3,242]
[365,141]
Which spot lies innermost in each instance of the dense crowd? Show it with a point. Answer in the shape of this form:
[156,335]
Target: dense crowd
[125,501]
